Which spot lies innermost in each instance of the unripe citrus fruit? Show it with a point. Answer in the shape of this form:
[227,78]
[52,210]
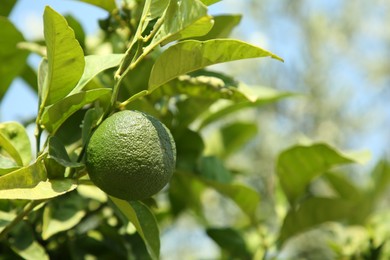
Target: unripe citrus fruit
[131,155]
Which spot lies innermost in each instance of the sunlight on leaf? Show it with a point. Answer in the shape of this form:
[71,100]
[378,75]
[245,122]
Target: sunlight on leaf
[144,221]
[14,136]
[190,55]
[65,58]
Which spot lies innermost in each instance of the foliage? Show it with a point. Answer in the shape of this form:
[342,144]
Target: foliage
[49,208]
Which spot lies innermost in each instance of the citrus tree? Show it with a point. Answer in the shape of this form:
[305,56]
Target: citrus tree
[133,132]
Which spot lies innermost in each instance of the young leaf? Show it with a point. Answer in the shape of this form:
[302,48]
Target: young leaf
[94,64]
[231,241]
[42,190]
[12,59]
[313,212]
[144,221]
[299,165]
[15,141]
[65,58]
[62,214]
[191,55]
[53,116]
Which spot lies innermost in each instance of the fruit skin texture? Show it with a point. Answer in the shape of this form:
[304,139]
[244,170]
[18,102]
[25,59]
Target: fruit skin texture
[131,155]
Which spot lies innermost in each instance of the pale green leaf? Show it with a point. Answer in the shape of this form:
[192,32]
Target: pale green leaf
[94,64]
[191,55]
[313,212]
[26,177]
[65,57]
[62,214]
[55,115]
[7,165]
[108,5]
[12,59]
[299,165]
[179,16]
[42,190]
[14,137]
[144,221]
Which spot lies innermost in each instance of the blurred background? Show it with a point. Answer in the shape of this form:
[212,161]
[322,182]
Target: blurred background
[337,59]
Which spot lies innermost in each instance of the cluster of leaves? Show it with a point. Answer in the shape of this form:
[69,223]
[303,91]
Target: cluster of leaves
[158,51]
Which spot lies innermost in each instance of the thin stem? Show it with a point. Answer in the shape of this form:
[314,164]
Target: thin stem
[132,98]
[29,207]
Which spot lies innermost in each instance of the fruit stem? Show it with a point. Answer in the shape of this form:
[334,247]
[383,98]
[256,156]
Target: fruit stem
[140,94]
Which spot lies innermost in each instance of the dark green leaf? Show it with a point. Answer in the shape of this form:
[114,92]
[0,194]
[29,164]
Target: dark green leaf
[77,28]
[231,241]
[223,26]
[58,152]
[6,7]
[55,115]
[65,58]
[12,59]
[212,168]
[62,214]
[144,221]
[15,141]
[30,77]
[41,190]
[313,212]
[108,5]
[90,119]
[188,153]
[94,64]
[299,165]
[191,55]
[235,135]
[25,244]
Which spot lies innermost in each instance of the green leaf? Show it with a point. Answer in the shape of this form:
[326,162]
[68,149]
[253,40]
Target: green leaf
[65,58]
[53,116]
[231,241]
[41,190]
[108,5]
[90,120]
[381,178]
[191,55]
[94,64]
[14,139]
[26,177]
[212,168]
[252,97]
[30,77]
[315,211]
[6,7]
[344,187]
[62,214]
[7,165]
[179,15]
[230,138]
[223,26]
[210,2]
[144,221]
[77,28]
[25,244]
[299,165]
[58,152]
[12,59]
